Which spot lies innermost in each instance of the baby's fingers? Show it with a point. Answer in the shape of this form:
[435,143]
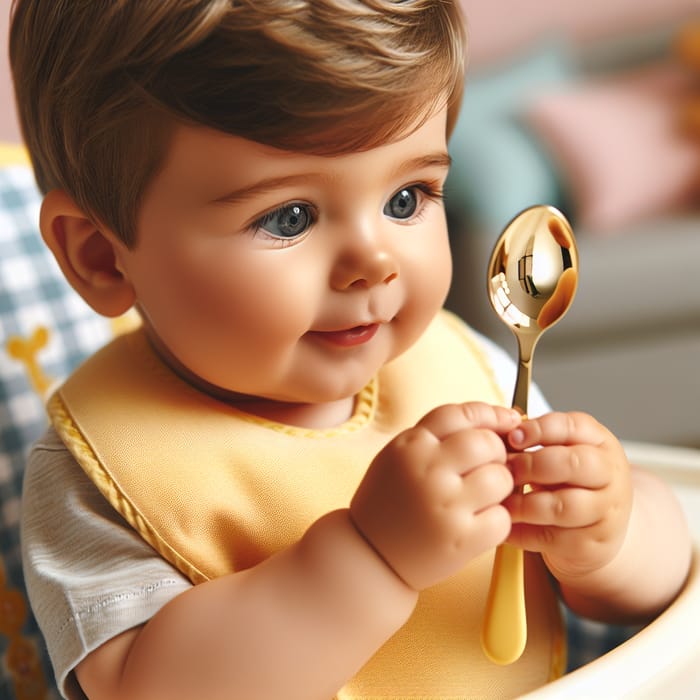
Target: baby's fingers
[563,508]
[578,465]
[452,418]
[558,429]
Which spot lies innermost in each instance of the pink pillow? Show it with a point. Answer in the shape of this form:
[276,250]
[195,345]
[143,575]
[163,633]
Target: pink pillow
[617,145]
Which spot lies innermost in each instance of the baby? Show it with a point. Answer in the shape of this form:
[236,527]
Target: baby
[289,481]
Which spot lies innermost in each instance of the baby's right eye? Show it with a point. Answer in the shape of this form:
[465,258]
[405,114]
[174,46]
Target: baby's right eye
[286,222]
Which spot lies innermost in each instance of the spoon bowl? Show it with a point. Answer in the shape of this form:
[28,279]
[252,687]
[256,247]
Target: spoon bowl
[532,278]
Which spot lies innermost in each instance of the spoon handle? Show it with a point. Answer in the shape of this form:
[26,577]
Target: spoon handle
[504,633]
[522,387]
[521,391]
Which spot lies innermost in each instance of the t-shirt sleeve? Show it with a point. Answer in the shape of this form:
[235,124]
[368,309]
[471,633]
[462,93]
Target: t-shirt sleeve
[89,575]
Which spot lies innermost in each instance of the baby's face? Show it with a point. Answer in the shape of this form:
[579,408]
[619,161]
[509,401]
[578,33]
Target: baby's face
[287,276]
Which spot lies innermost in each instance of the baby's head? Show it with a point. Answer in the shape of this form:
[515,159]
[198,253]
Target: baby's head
[101,86]
[261,178]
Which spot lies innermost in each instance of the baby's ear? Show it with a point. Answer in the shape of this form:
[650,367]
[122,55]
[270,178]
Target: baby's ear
[87,255]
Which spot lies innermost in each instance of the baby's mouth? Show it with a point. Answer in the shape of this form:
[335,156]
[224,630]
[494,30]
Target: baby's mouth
[348,337]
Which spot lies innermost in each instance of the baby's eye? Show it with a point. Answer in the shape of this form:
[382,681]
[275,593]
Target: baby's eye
[287,221]
[403,204]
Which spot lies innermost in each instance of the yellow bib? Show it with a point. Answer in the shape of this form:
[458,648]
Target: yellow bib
[215,490]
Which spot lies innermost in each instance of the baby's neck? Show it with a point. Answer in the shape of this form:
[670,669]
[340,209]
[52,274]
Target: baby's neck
[313,416]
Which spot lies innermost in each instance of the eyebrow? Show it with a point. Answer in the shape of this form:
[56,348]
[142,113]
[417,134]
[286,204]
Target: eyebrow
[440,159]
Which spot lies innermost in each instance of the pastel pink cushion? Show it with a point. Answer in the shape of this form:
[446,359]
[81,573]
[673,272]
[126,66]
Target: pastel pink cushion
[617,145]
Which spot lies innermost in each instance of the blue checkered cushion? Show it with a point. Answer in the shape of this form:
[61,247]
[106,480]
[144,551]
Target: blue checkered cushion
[33,294]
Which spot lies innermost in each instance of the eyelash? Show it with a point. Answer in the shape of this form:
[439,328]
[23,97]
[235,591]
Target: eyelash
[430,191]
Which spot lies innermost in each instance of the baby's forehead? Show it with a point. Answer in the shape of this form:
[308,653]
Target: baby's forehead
[203,158]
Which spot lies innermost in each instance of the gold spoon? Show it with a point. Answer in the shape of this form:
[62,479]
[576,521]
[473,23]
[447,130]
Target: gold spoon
[532,278]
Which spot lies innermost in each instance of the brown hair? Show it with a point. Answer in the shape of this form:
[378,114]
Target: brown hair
[99,85]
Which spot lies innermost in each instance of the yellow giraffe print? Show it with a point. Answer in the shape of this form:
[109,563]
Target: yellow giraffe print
[26,351]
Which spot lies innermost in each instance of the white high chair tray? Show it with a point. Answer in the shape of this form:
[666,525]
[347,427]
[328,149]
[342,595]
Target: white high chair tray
[663,660]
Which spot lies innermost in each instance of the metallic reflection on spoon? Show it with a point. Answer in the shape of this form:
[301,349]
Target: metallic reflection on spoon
[532,278]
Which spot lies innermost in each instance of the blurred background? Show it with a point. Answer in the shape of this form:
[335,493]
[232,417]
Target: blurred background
[592,107]
[9,131]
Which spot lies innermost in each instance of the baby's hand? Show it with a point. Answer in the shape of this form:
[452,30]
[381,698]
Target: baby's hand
[578,510]
[430,500]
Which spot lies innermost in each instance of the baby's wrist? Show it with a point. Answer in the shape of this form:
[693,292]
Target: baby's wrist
[342,545]
[370,545]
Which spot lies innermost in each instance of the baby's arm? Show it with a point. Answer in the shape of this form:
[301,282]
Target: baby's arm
[264,632]
[614,536]
[429,503]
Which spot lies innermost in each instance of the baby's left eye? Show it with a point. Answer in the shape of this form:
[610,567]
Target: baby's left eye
[403,204]
[288,221]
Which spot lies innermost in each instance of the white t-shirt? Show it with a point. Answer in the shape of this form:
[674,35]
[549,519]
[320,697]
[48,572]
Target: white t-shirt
[88,574]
